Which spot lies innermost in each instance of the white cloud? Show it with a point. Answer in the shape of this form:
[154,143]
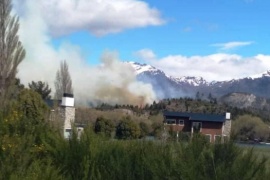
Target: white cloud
[232,45]
[212,67]
[99,17]
[145,54]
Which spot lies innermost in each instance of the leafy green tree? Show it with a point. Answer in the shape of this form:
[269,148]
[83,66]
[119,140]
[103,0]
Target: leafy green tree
[41,88]
[14,91]
[250,127]
[31,104]
[144,128]
[104,126]
[158,129]
[21,134]
[127,129]
[33,110]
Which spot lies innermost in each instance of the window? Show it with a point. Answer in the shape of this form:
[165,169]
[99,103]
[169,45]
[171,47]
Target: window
[208,137]
[217,138]
[170,121]
[196,127]
[181,122]
[67,133]
[225,138]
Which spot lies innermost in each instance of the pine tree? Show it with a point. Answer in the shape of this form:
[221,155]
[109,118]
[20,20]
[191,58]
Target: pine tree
[42,88]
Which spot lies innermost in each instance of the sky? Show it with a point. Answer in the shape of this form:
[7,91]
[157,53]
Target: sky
[184,27]
[215,39]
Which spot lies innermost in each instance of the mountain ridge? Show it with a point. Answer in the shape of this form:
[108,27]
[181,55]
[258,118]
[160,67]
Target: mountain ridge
[167,86]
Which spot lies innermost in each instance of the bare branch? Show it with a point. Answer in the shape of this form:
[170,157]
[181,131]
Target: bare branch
[63,82]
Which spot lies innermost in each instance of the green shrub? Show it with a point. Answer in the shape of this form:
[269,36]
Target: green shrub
[104,126]
[127,129]
[144,129]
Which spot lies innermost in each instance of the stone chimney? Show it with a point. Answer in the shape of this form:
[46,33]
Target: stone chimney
[227,125]
[228,116]
[67,113]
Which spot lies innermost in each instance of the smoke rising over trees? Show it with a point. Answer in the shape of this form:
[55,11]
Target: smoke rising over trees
[112,82]
[63,82]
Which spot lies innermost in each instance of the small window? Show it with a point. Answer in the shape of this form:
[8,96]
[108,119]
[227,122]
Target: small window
[208,137]
[225,138]
[217,138]
[171,121]
[67,133]
[196,127]
[181,122]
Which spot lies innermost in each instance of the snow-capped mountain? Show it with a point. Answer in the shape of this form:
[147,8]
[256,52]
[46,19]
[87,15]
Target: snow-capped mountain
[194,81]
[167,86]
[264,74]
[141,69]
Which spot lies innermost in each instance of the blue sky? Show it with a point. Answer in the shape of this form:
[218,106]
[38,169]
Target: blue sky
[191,28]
[214,39]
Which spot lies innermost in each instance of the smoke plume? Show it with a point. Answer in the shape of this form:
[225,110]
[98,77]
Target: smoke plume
[112,81]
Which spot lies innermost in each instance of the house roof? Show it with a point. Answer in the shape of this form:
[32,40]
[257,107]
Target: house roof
[52,102]
[196,116]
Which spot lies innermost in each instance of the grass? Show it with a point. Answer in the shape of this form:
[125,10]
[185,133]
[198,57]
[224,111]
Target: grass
[261,152]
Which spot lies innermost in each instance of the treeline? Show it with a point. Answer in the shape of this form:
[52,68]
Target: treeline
[152,109]
[186,104]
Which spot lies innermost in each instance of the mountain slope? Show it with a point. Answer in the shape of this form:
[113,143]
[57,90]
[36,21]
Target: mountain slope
[245,100]
[166,86]
[169,87]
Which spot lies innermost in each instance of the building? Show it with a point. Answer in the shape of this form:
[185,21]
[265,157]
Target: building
[212,125]
[64,111]
[67,113]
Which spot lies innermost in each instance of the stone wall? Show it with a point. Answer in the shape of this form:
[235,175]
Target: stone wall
[68,116]
[227,127]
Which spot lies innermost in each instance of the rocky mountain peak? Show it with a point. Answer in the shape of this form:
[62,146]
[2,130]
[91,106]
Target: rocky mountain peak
[167,86]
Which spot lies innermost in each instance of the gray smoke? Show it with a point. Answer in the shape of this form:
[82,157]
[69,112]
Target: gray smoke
[112,81]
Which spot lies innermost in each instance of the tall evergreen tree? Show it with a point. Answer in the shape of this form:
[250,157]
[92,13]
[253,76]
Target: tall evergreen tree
[11,50]
[63,82]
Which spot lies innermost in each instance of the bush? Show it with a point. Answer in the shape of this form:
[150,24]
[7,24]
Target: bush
[104,126]
[144,129]
[127,129]
[248,127]
[158,129]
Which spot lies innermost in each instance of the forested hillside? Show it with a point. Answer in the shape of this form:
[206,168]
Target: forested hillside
[248,124]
